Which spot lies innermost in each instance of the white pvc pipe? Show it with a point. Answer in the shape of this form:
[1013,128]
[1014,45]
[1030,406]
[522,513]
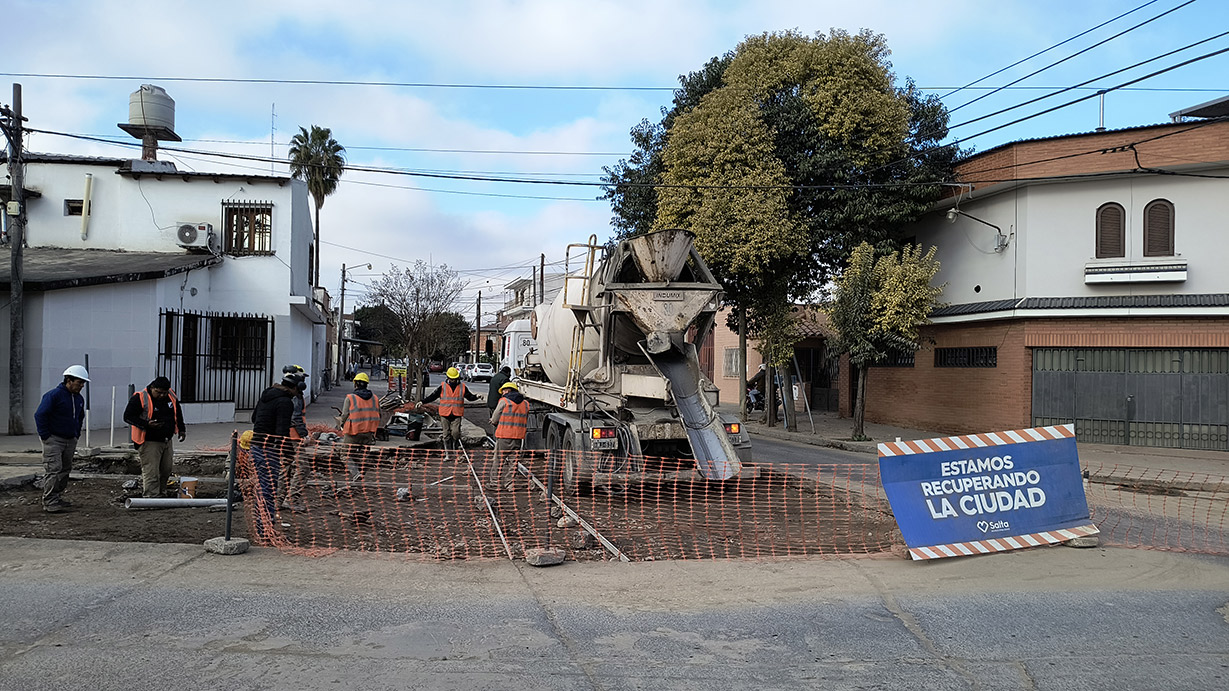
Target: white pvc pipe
[170,502]
[112,416]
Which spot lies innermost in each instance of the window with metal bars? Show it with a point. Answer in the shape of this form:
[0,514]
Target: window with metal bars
[239,342]
[730,363]
[1159,228]
[985,356]
[248,227]
[1111,231]
[896,358]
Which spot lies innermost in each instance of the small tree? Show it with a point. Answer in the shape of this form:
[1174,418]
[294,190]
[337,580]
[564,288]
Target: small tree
[417,296]
[878,307]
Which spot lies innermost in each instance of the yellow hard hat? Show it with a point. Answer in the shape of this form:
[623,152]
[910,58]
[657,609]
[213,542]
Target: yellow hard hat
[510,385]
[245,440]
[453,373]
[362,376]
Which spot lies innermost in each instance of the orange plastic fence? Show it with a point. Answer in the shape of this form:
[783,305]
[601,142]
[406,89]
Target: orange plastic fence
[428,504]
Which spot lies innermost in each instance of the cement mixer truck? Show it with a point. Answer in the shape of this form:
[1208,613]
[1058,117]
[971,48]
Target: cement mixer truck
[614,371]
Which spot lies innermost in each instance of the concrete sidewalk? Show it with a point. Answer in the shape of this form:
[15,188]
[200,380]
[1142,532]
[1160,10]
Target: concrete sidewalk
[834,431]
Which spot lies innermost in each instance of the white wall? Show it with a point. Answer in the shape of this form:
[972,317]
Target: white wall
[1055,233]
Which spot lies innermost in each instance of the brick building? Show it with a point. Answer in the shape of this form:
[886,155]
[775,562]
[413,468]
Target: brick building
[1086,282]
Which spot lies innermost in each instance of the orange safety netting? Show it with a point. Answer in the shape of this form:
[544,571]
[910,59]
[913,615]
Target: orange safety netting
[429,504]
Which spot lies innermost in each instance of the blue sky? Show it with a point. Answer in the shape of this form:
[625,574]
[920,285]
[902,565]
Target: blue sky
[639,46]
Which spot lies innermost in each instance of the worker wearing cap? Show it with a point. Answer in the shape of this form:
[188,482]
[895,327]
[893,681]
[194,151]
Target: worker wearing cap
[59,418]
[155,417]
[511,421]
[270,441]
[360,418]
[294,470]
[452,394]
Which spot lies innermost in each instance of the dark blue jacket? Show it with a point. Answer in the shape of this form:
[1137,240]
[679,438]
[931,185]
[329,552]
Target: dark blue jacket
[61,414]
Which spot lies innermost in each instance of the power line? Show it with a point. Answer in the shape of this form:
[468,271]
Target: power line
[1077,53]
[337,82]
[1041,52]
[1082,84]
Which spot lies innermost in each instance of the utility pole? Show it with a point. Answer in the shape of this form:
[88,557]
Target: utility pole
[341,321]
[542,278]
[478,327]
[17,241]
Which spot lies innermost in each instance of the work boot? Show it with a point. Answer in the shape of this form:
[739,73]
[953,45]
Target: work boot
[55,507]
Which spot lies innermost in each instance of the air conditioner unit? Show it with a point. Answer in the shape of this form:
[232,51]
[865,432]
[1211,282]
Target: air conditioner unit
[197,236]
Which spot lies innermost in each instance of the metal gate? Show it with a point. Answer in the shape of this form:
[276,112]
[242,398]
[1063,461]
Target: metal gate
[213,357]
[1135,396]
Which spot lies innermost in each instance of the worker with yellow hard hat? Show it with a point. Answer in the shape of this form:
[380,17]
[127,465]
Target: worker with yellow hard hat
[452,394]
[360,418]
[511,421]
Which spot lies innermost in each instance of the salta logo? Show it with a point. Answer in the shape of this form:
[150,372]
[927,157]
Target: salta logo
[995,526]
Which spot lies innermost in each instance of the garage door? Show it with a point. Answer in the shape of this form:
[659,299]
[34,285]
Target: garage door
[1136,396]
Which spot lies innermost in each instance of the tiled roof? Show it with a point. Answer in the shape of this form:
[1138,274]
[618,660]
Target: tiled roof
[1098,302]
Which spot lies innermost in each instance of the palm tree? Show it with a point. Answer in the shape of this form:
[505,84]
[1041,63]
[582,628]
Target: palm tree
[318,159]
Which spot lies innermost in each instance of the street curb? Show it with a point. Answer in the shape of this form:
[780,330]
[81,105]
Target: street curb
[868,447]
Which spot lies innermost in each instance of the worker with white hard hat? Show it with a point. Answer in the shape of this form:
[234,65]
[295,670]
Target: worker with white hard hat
[59,418]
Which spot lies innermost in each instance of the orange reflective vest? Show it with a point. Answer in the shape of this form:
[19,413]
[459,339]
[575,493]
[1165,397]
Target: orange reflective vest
[147,402]
[363,416]
[452,400]
[513,420]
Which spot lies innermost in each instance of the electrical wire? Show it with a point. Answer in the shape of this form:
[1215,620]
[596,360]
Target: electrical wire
[1046,50]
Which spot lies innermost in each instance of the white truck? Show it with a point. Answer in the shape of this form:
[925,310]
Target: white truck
[612,369]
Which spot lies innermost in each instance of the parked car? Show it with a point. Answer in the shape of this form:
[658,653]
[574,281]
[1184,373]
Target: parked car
[436,367]
[483,371]
[467,370]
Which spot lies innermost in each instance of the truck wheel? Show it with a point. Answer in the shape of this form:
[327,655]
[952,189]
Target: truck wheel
[572,470]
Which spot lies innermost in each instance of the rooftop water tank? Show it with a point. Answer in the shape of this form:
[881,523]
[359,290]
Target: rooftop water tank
[149,106]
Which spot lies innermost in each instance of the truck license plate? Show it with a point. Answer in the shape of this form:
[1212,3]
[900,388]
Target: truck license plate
[604,444]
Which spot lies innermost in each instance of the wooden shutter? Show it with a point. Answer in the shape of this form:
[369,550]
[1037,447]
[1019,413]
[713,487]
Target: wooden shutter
[1110,232]
[1159,229]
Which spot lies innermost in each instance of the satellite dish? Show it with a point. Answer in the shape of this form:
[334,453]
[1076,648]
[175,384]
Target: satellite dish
[187,234]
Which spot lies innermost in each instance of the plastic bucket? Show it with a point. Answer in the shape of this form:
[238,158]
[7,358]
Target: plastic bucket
[187,487]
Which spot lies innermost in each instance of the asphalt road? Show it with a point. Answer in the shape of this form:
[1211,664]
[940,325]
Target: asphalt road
[114,616]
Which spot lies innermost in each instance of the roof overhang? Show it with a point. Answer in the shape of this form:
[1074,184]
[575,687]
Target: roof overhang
[307,308]
[55,268]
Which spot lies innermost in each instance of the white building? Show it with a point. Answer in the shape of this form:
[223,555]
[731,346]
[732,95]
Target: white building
[148,270]
[1086,283]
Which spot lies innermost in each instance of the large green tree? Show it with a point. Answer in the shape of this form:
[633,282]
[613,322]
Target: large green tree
[781,156]
[878,307]
[317,159]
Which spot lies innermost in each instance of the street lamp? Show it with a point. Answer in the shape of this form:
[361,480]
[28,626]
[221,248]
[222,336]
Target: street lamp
[1000,240]
[341,320]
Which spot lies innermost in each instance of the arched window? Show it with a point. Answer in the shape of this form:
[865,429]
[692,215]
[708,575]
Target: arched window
[1159,229]
[1111,232]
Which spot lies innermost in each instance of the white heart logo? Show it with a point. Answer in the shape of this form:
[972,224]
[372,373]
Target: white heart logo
[983,526]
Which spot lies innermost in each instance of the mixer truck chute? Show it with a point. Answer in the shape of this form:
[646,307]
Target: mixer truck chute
[614,368]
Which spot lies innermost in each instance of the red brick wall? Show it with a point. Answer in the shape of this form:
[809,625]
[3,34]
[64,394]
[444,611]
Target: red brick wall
[1163,145]
[962,400]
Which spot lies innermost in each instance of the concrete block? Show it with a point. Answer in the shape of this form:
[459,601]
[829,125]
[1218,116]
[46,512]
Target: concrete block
[1085,541]
[544,556]
[220,545]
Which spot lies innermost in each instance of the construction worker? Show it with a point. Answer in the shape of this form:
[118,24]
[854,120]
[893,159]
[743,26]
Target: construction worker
[452,394]
[155,417]
[360,418]
[510,420]
[294,472]
[270,439]
[59,418]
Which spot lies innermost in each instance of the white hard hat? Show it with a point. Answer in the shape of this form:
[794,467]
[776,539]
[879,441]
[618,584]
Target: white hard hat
[77,371]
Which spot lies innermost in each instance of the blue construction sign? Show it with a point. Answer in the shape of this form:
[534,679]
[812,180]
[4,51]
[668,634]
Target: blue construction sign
[984,493]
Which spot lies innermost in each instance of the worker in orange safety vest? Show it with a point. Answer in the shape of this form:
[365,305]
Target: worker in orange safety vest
[511,421]
[452,395]
[155,417]
[360,418]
